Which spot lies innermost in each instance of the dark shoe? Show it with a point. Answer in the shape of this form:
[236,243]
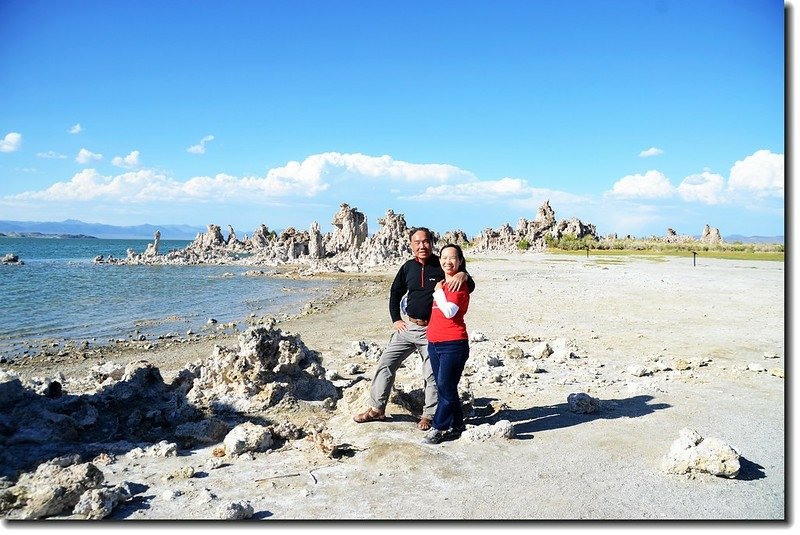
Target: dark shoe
[454,432]
[433,436]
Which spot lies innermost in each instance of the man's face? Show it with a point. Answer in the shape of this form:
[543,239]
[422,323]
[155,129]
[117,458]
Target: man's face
[421,246]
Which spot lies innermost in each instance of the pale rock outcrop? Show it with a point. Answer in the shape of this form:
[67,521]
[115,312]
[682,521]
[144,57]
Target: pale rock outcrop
[152,248]
[268,366]
[247,437]
[349,230]
[711,235]
[533,233]
[51,490]
[161,449]
[693,453]
[503,429]
[240,510]
[95,504]
[316,250]
[262,237]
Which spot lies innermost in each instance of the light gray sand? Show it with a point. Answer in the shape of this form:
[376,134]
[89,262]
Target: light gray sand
[616,312]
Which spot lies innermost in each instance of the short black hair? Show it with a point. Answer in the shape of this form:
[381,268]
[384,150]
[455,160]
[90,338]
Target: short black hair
[426,230]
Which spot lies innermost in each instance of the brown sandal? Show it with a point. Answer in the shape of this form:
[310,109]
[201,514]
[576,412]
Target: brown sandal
[370,415]
[424,423]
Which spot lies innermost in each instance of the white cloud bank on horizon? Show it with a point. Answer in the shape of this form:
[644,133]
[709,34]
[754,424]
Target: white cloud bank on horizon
[200,148]
[86,156]
[75,129]
[761,174]
[11,143]
[307,178]
[652,151]
[129,162]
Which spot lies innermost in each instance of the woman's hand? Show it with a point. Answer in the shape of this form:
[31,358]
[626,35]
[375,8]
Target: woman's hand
[439,285]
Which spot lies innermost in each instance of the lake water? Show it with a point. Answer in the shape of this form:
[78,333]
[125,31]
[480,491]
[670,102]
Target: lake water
[59,293]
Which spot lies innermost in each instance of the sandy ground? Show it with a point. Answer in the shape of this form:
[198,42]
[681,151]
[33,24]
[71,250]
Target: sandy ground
[718,316]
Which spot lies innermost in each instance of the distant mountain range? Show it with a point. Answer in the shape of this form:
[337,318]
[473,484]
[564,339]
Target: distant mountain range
[753,239]
[74,228]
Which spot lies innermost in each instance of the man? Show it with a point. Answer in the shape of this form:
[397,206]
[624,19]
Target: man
[417,278]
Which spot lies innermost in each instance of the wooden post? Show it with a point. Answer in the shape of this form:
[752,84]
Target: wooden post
[694,258]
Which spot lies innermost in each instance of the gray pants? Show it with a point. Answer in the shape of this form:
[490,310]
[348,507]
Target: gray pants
[401,345]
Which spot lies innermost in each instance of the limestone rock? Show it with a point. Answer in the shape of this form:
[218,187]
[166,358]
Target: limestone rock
[53,489]
[692,453]
[247,437]
[241,510]
[583,403]
[502,429]
[95,504]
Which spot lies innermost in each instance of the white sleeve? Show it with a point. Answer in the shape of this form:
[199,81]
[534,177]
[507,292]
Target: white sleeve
[448,309]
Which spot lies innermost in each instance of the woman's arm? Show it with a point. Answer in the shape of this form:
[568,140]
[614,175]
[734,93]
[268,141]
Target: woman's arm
[448,309]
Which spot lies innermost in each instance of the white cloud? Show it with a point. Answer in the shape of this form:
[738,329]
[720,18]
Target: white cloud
[652,151]
[307,178]
[75,129]
[342,166]
[651,185]
[705,187]
[761,173]
[200,148]
[86,156]
[128,162]
[11,142]
[475,191]
[51,155]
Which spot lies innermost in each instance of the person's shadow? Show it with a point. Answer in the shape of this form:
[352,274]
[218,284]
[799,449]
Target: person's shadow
[549,417]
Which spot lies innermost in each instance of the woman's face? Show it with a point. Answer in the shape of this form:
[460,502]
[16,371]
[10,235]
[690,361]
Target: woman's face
[448,258]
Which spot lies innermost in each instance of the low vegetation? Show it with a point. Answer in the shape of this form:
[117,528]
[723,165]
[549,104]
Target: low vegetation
[627,246]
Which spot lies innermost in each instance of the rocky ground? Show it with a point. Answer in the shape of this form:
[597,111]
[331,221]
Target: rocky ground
[653,346]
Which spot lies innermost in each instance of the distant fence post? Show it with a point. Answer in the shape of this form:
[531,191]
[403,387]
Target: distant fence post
[694,258]
[587,250]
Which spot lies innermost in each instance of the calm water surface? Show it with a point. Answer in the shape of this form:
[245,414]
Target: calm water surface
[59,293]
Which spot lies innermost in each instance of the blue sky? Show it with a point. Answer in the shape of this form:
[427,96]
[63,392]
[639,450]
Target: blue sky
[633,115]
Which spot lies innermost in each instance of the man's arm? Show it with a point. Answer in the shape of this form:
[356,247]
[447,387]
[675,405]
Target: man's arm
[459,279]
[396,293]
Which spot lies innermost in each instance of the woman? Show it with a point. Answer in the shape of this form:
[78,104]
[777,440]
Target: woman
[448,347]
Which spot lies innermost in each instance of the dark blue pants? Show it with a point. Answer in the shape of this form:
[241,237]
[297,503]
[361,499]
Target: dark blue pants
[448,360]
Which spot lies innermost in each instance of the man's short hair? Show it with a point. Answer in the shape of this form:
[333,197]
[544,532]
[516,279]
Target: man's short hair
[426,230]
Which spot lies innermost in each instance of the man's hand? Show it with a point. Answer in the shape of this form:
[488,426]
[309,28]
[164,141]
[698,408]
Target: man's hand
[439,286]
[400,326]
[458,280]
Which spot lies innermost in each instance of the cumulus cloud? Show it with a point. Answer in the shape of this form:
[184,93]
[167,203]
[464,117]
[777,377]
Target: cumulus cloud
[51,155]
[705,187]
[760,174]
[11,142]
[652,185]
[342,166]
[307,178]
[86,156]
[75,129]
[200,148]
[652,151]
[128,162]
[482,191]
